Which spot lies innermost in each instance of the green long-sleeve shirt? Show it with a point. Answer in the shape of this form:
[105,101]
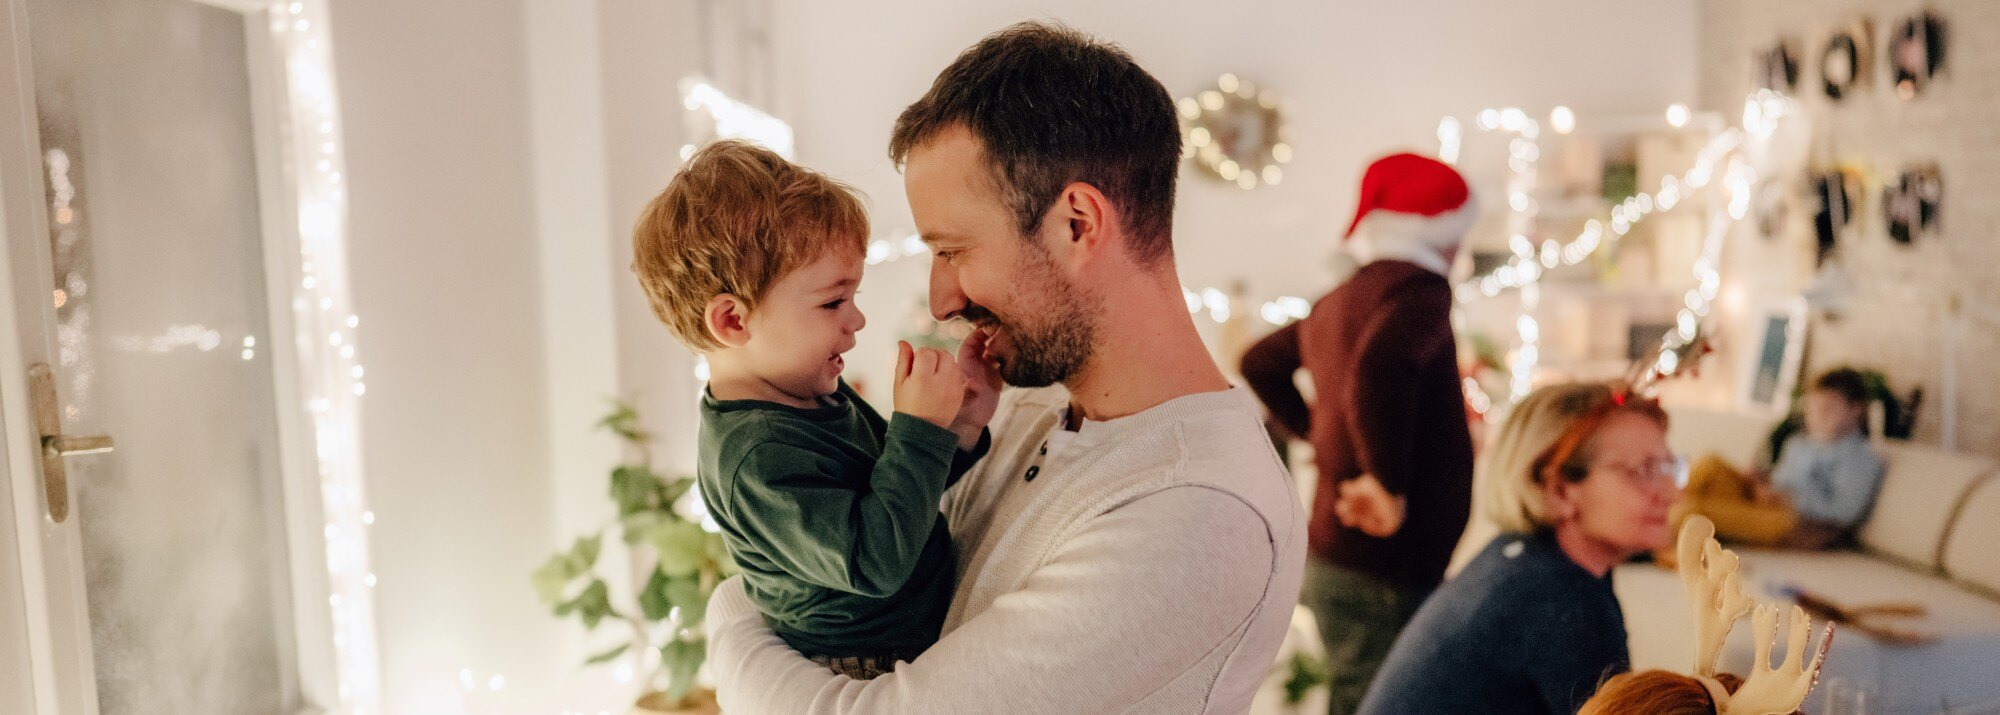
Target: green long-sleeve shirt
[832,514]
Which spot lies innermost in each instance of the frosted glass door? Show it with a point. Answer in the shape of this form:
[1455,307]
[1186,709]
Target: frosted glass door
[148,154]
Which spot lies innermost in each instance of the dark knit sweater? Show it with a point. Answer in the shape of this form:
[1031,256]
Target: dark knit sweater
[1522,629]
[1387,402]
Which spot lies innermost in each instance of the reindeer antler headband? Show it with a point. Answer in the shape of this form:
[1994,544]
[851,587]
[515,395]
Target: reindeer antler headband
[1716,600]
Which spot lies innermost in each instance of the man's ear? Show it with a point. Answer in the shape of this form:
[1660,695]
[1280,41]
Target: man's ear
[728,320]
[1089,220]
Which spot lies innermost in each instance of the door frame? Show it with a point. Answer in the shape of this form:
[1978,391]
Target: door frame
[332,657]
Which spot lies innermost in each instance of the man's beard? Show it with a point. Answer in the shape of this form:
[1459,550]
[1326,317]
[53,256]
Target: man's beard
[1057,333]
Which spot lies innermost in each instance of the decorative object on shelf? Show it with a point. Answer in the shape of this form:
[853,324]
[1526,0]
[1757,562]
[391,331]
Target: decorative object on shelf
[1835,191]
[666,645]
[1844,64]
[1910,202]
[1916,53]
[1777,68]
[1236,132]
[1771,367]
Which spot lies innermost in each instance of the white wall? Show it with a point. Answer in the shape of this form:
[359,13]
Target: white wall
[1900,312]
[1358,79]
[648,46]
[443,251]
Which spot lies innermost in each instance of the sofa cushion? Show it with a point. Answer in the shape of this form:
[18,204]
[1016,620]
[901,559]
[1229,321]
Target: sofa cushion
[1738,437]
[1969,550]
[1956,668]
[1921,489]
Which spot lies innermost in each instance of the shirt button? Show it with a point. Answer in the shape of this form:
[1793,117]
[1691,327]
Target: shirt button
[1512,550]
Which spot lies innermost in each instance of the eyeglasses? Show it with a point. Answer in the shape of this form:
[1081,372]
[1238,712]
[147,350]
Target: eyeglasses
[1669,470]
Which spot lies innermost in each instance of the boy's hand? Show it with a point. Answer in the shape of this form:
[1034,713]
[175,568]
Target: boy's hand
[982,390]
[928,386]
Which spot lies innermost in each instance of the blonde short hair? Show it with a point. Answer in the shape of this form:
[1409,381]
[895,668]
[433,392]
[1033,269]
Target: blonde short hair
[735,220]
[1542,438]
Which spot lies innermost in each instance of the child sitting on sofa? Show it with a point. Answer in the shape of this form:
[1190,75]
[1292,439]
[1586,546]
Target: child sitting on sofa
[1821,488]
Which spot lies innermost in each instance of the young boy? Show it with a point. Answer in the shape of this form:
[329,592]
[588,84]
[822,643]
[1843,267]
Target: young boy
[1821,488]
[831,512]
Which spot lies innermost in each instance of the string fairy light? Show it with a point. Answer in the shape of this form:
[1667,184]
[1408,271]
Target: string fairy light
[1762,110]
[330,375]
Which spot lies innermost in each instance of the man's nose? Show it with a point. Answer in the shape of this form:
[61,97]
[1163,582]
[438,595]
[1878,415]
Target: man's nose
[946,298]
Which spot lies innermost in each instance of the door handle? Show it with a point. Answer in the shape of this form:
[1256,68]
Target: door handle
[63,445]
[55,444]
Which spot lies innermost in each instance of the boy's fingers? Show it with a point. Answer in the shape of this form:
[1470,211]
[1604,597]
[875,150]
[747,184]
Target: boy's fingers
[973,348]
[903,360]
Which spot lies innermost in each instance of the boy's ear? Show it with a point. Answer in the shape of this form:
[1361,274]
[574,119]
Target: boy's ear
[728,320]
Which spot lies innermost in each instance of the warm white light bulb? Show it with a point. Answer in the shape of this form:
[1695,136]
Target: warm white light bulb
[1677,115]
[1562,120]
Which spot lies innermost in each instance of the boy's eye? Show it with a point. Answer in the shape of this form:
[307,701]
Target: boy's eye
[835,305]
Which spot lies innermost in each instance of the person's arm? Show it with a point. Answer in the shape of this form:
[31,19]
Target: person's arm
[799,513]
[1144,592]
[1412,331]
[1270,367]
[963,459]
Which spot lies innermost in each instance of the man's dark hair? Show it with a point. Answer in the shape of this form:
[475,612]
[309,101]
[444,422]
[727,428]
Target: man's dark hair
[1846,382]
[1054,106]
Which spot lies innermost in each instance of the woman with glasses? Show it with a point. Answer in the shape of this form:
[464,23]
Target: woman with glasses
[1579,479]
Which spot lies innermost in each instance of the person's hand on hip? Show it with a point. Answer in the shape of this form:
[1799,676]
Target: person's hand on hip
[1365,505]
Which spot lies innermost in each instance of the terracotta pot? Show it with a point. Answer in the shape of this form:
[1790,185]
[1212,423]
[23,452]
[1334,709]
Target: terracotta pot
[700,701]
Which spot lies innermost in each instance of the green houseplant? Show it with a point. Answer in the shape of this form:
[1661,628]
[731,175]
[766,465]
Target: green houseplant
[679,560]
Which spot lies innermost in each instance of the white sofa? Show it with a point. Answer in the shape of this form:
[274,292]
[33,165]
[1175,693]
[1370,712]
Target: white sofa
[1933,538]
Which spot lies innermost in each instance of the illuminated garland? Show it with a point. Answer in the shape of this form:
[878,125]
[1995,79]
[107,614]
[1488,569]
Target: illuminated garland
[330,377]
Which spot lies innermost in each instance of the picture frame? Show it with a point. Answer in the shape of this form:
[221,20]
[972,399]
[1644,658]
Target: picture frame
[1770,368]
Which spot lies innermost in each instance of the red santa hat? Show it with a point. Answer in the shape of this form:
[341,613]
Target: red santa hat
[1414,200]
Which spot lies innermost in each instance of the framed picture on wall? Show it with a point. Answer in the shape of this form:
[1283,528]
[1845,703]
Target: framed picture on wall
[1771,367]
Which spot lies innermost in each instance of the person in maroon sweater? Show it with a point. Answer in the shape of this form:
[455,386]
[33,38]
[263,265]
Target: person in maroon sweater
[1387,420]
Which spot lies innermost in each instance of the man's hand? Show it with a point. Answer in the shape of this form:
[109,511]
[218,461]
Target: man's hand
[1365,505]
[928,387]
[982,390]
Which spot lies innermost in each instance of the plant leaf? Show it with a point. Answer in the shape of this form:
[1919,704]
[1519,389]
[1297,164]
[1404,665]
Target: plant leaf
[682,546]
[653,599]
[623,421]
[635,488]
[1307,672]
[675,489]
[637,525]
[584,551]
[609,655]
[550,579]
[718,553]
[682,659]
[684,592]
[592,605]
